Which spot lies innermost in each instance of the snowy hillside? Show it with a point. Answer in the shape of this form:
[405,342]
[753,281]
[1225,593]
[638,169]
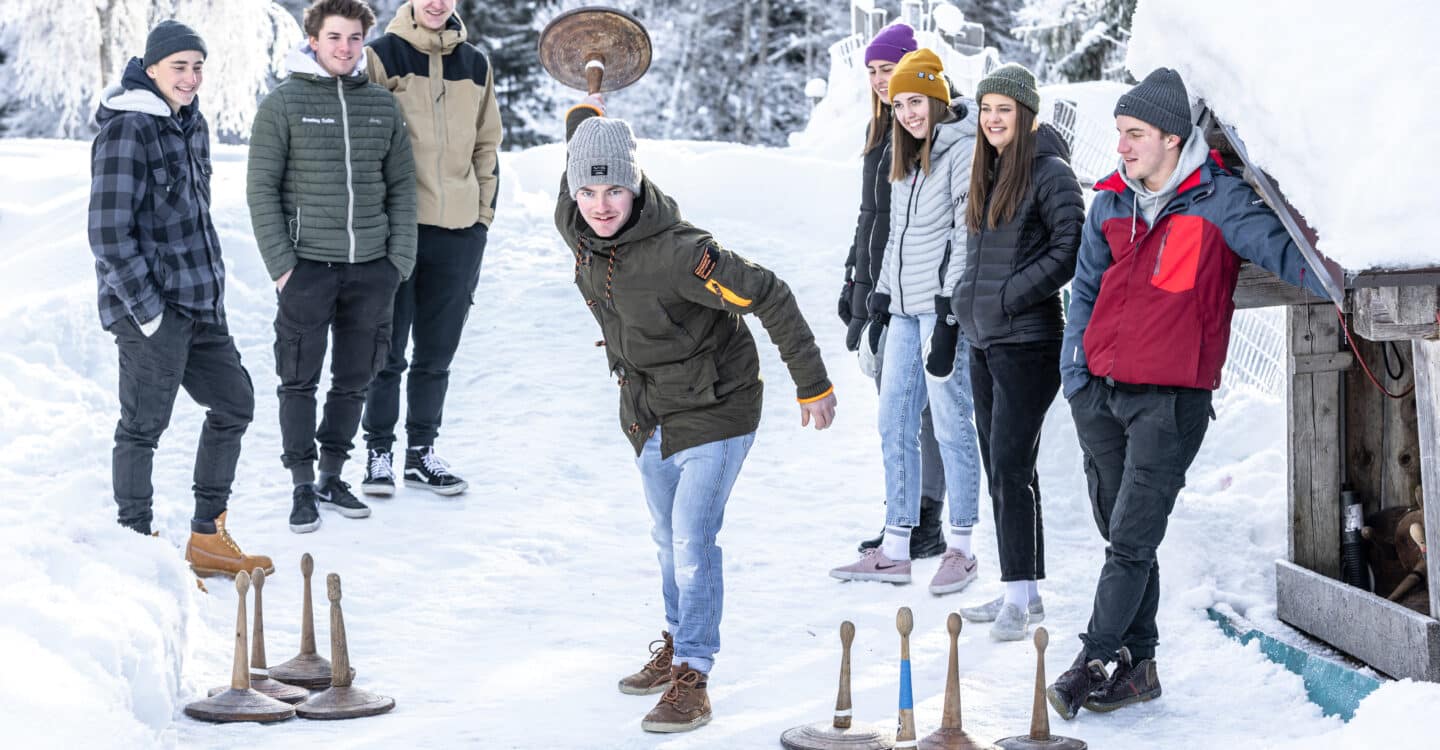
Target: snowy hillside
[503,618]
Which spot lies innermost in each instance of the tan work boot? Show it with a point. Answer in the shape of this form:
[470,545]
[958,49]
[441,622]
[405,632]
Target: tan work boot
[218,554]
[683,707]
[654,676]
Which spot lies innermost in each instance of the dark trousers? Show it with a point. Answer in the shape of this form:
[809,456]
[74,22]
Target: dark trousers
[1013,385]
[433,304]
[350,303]
[1138,446]
[201,358]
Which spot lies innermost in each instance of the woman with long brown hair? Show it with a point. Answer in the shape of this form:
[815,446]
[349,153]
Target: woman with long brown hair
[862,265]
[923,355]
[1024,219]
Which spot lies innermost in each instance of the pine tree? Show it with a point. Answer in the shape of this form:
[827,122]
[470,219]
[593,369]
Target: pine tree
[507,34]
[1080,40]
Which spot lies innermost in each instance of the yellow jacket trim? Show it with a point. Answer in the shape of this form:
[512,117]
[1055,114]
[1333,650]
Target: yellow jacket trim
[716,287]
[813,399]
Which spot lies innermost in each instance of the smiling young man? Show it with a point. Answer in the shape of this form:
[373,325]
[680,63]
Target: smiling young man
[446,89]
[1165,235]
[669,301]
[331,187]
[162,289]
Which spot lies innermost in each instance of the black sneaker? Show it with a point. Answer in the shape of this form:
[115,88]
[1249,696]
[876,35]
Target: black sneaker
[1130,683]
[426,471]
[304,517]
[1075,685]
[336,495]
[379,473]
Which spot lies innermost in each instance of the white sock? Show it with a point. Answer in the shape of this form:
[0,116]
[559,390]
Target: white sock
[1018,593]
[896,544]
[1034,590]
[958,537]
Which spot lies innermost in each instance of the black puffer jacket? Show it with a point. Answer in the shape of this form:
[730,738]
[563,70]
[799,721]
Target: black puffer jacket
[868,249]
[1010,291]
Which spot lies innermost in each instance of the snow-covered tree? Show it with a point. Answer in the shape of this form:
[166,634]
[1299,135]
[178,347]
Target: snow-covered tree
[60,56]
[1077,40]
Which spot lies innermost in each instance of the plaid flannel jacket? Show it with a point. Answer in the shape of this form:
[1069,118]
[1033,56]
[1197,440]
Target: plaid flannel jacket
[150,229]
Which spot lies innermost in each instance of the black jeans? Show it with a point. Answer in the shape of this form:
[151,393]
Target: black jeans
[1013,385]
[1138,446]
[351,303]
[433,303]
[201,358]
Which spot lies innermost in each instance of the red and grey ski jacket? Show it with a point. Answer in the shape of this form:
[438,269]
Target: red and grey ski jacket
[1152,305]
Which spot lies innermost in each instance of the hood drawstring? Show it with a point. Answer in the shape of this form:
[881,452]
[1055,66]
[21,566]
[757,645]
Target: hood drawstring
[1134,212]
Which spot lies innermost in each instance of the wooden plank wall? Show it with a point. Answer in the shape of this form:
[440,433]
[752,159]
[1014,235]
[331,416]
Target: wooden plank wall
[1313,421]
[1427,386]
[1382,451]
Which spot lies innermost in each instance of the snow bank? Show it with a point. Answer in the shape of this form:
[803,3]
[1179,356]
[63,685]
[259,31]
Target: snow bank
[1335,100]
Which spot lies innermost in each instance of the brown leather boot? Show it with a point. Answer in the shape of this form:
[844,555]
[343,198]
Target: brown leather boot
[218,554]
[654,676]
[683,707]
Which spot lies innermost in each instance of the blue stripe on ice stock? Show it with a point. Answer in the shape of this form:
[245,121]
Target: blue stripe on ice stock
[907,699]
[1333,686]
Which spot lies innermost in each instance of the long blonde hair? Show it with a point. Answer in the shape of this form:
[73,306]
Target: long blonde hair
[909,152]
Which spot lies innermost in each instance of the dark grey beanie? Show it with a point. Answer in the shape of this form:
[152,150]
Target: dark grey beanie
[1013,80]
[1160,100]
[169,37]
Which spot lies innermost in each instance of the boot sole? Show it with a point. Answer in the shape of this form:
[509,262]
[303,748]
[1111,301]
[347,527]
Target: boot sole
[305,528]
[1034,618]
[347,512]
[881,577]
[1105,708]
[454,489]
[667,727]
[270,571]
[1006,637]
[1059,705]
[662,687]
[378,490]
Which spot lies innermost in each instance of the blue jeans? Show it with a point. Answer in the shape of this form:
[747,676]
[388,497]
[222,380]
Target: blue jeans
[903,393]
[687,493]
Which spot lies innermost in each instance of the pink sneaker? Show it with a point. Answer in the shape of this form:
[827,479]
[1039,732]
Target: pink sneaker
[955,573]
[874,566]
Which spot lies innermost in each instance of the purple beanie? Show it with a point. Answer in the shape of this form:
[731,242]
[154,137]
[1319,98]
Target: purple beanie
[891,44]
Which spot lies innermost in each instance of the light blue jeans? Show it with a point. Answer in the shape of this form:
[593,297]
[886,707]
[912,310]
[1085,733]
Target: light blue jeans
[903,392]
[687,493]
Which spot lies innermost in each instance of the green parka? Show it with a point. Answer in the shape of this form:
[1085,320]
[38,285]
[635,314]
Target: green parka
[330,176]
[669,301]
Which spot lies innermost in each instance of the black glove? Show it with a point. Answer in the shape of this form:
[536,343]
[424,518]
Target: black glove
[877,330]
[852,333]
[845,293]
[879,306]
[940,349]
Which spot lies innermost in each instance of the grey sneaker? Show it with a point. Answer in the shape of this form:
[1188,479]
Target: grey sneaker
[988,611]
[956,572]
[1010,624]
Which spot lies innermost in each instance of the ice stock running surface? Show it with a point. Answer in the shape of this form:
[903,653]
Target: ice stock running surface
[504,617]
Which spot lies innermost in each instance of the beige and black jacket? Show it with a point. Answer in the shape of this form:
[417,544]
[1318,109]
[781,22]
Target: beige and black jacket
[446,88]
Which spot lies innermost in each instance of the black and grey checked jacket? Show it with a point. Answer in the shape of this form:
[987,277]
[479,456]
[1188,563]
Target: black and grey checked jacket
[150,229]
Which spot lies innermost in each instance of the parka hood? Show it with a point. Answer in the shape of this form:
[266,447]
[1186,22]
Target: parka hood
[423,39]
[301,62]
[136,92]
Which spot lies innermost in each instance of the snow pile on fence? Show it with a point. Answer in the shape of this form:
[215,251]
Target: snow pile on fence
[1339,109]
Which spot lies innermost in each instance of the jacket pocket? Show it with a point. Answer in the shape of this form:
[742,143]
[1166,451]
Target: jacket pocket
[1178,258]
[682,386]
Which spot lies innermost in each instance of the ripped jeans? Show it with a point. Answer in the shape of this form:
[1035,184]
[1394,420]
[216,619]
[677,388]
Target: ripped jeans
[687,493]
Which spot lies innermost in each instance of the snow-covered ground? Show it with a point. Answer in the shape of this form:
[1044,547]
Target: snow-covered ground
[503,618]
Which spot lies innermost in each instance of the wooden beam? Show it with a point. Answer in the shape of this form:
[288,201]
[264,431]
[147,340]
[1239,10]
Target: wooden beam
[1314,441]
[1257,287]
[1302,364]
[1396,313]
[1427,406]
[1393,639]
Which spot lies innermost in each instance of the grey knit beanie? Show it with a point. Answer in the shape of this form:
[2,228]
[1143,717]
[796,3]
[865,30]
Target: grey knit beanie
[602,152]
[169,37]
[1013,80]
[1160,100]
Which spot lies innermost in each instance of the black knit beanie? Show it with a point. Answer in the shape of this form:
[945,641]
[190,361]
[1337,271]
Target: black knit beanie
[169,37]
[1160,100]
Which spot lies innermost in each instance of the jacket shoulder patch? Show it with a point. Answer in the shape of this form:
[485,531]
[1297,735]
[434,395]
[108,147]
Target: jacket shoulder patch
[709,258]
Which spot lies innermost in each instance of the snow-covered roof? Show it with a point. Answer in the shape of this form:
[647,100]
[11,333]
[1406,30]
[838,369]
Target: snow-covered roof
[1336,101]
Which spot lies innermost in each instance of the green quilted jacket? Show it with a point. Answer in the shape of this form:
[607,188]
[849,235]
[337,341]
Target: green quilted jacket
[331,177]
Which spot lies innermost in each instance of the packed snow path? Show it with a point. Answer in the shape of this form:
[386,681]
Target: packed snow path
[503,617]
